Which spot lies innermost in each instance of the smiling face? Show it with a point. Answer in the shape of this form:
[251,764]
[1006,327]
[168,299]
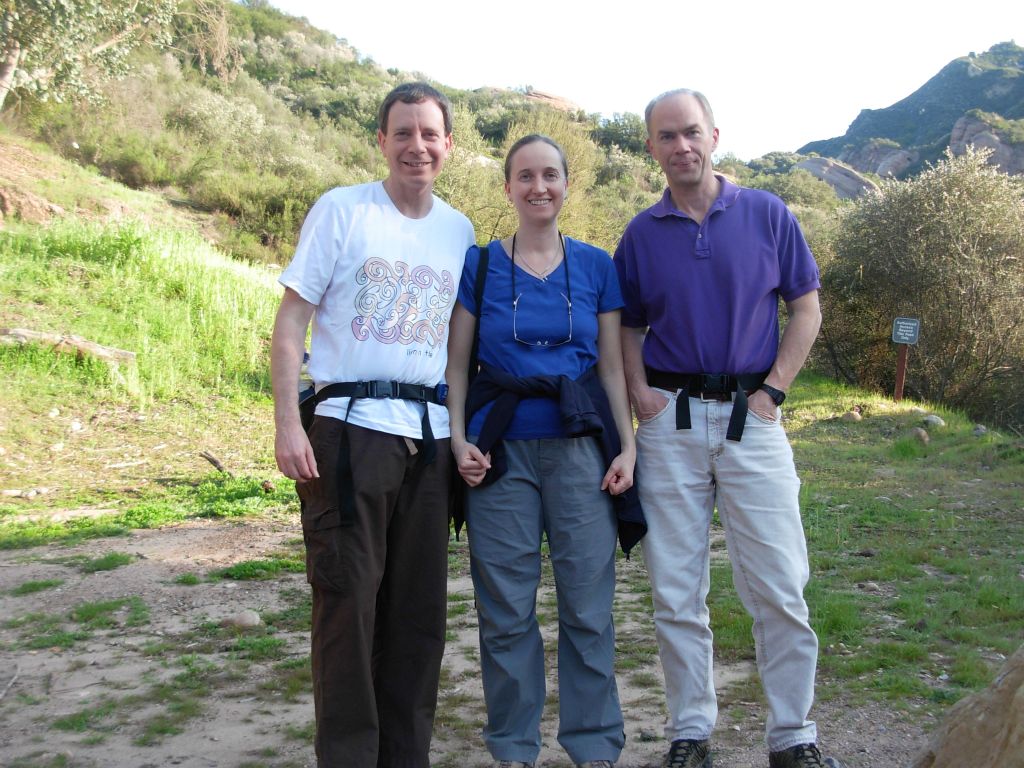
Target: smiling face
[537,182]
[682,140]
[416,144]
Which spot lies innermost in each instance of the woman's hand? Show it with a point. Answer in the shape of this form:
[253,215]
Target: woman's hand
[472,464]
[619,477]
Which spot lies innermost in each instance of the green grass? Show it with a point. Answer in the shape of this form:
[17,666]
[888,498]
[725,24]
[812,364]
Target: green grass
[266,568]
[296,617]
[935,529]
[259,648]
[41,760]
[197,320]
[199,325]
[102,615]
[32,587]
[107,562]
[217,496]
[43,630]
[290,679]
[85,719]
[303,733]
[46,630]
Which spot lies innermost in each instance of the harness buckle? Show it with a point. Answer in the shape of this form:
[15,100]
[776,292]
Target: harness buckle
[382,389]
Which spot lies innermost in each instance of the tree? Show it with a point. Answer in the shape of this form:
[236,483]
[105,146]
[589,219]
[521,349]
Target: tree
[626,131]
[59,48]
[946,247]
[204,33]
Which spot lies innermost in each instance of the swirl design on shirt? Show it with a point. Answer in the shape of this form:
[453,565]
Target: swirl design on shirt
[402,305]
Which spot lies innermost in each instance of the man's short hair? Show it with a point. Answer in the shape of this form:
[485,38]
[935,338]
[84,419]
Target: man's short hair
[414,93]
[700,97]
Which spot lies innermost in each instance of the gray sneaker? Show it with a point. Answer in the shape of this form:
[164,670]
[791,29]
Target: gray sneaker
[801,756]
[688,753]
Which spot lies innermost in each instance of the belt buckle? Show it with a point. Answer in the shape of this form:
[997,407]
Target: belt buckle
[715,386]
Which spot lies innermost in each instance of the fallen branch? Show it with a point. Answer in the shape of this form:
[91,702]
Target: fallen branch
[10,682]
[215,461]
[67,344]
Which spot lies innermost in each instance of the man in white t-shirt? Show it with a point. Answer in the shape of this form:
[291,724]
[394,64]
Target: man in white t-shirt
[377,270]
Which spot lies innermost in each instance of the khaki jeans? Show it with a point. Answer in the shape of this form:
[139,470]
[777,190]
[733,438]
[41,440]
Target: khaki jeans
[684,475]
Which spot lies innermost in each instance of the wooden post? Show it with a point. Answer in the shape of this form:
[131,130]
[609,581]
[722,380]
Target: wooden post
[901,371]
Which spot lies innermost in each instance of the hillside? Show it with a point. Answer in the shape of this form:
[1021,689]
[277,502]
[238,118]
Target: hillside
[985,89]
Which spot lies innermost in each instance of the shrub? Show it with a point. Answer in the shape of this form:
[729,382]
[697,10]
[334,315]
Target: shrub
[946,247]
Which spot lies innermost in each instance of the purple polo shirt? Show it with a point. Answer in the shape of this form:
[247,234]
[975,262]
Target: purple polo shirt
[709,293]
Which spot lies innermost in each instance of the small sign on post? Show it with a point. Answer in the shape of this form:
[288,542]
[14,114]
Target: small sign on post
[905,331]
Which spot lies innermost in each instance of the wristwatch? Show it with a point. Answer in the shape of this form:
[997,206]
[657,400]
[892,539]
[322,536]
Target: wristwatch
[777,395]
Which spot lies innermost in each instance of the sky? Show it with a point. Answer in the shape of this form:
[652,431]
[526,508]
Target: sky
[777,74]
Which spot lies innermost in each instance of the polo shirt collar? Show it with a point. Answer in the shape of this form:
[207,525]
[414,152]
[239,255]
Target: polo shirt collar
[726,196]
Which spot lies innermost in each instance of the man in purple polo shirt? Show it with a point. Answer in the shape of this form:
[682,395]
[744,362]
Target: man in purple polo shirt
[701,274]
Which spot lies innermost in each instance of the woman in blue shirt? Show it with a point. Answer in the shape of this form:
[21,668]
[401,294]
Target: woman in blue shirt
[541,457]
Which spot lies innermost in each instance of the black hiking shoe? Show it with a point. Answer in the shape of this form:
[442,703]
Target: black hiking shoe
[688,753]
[801,756]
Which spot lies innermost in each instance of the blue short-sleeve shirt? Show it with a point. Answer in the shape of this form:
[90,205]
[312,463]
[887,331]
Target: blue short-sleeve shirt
[541,314]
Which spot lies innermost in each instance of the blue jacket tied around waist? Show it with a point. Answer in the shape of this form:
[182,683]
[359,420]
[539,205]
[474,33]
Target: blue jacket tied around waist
[585,412]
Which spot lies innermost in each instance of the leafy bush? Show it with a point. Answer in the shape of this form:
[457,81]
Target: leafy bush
[946,247]
[798,188]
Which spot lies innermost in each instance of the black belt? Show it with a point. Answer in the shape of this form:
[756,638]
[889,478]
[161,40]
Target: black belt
[708,386]
[379,390]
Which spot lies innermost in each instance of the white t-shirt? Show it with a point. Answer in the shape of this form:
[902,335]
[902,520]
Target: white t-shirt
[384,286]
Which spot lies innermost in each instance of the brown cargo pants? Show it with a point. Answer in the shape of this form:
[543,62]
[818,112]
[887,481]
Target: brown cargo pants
[379,597]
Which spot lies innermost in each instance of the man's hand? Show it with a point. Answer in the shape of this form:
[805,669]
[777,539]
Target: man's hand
[647,402]
[761,403]
[287,345]
[294,454]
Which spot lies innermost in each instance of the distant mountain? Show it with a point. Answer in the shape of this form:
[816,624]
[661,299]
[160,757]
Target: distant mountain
[976,99]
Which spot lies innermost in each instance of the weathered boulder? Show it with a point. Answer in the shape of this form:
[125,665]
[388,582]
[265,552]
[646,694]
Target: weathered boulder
[847,183]
[246,619]
[984,730]
[970,130]
[895,163]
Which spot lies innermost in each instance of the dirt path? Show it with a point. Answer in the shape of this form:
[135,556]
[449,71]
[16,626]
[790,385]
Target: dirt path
[114,695]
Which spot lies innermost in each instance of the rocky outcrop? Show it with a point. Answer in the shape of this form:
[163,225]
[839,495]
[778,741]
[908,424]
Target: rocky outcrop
[970,130]
[847,183]
[551,100]
[985,730]
[882,157]
[26,206]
